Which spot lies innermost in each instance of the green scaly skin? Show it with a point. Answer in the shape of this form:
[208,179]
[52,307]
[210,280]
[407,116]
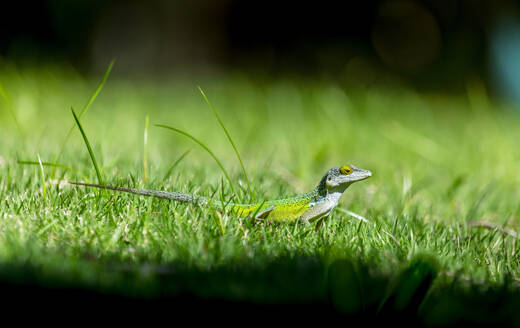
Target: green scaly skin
[317,203]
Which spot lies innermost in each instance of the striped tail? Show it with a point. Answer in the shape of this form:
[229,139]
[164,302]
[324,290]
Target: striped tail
[238,209]
[172,195]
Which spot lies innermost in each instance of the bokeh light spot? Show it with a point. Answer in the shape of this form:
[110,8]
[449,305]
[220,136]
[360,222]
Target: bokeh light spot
[405,35]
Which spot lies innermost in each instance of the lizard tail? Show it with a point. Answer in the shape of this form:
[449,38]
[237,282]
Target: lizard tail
[172,195]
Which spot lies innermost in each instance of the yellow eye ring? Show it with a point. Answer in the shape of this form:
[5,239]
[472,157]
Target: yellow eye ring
[345,170]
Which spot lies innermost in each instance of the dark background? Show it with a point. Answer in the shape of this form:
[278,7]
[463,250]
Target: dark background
[431,44]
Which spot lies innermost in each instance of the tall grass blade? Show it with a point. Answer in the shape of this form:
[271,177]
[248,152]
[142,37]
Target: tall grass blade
[230,140]
[42,175]
[174,165]
[145,148]
[86,107]
[91,153]
[205,148]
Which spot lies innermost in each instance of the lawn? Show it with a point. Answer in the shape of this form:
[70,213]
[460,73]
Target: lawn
[435,228]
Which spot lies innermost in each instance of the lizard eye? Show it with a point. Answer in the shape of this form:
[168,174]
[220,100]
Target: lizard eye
[345,170]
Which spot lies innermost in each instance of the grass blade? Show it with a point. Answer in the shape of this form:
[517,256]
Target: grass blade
[87,105]
[220,221]
[230,140]
[47,164]
[167,175]
[98,89]
[91,153]
[42,174]
[145,148]
[205,148]
[352,214]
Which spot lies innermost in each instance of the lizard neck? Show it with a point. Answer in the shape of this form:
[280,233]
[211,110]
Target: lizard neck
[324,200]
[331,196]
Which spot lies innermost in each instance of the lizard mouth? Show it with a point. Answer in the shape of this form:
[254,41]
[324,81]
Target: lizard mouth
[365,174]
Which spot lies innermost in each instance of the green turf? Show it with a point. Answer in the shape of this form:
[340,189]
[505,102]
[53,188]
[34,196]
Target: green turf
[440,163]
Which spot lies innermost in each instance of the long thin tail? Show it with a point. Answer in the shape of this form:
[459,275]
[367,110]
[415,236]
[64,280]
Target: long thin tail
[172,195]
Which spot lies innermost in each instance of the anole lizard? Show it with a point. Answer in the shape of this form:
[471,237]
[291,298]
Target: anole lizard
[316,204]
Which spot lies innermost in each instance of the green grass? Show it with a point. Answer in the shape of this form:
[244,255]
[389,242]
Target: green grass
[230,141]
[439,162]
[89,148]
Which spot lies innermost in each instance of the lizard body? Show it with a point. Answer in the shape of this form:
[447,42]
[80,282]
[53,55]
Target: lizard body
[315,204]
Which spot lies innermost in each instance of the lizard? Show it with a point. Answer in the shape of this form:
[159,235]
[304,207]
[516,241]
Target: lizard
[313,205]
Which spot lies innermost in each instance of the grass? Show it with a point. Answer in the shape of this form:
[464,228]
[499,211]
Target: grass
[439,162]
[201,144]
[87,106]
[89,148]
[230,140]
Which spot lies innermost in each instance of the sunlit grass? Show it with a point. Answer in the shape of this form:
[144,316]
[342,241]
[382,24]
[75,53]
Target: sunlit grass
[438,163]
[230,141]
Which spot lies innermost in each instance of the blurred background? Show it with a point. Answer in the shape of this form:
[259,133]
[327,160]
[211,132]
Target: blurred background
[439,45]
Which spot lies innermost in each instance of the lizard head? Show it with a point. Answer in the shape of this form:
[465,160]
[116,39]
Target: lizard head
[340,177]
